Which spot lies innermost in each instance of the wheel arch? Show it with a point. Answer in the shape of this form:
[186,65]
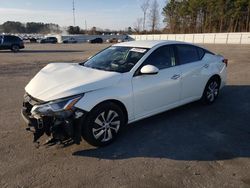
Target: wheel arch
[118,103]
[15,44]
[215,76]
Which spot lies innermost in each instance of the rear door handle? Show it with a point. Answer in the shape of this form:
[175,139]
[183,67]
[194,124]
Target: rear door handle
[175,77]
[206,66]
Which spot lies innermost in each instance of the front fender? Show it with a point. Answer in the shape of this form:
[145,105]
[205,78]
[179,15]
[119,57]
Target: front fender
[120,92]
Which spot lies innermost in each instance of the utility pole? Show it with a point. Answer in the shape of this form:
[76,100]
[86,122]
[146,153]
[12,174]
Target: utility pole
[74,16]
[86,25]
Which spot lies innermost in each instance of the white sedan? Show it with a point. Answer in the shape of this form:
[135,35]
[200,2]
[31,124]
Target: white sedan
[122,84]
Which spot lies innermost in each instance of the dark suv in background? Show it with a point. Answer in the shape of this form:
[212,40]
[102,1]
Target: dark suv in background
[11,42]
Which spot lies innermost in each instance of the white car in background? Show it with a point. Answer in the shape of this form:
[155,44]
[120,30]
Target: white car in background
[70,40]
[122,84]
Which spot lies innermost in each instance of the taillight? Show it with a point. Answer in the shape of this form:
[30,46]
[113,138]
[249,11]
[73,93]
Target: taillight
[225,61]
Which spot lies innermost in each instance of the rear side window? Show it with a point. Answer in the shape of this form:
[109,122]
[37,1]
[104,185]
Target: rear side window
[1,39]
[162,58]
[187,53]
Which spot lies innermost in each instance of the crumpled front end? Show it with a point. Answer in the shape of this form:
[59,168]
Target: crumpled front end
[59,120]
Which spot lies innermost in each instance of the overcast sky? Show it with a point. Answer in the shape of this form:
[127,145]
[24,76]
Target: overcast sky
[105,14]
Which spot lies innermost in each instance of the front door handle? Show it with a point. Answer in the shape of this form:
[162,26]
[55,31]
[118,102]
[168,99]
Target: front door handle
[175,77]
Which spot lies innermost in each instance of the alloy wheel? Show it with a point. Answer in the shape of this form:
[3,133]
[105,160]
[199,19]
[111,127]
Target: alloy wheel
[212,91]
[106,124]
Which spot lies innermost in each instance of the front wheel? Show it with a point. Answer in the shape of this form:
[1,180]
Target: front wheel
[103,124]
[211,91]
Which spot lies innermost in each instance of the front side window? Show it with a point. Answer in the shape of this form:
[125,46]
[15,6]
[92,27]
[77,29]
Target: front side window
[116,58]
[162,57]
[187,53]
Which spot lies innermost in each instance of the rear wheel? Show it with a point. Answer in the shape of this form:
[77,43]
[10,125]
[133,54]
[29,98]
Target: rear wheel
[211,91]
[15,48]
[103,124]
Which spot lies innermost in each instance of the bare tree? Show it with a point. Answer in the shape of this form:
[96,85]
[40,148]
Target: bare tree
[154,15]
[138,25]
[144,7]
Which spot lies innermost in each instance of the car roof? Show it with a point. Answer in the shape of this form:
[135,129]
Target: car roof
[149,43]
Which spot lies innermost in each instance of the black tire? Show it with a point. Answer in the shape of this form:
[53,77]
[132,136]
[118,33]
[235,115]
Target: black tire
[211,91]
[15,48]
[97,131]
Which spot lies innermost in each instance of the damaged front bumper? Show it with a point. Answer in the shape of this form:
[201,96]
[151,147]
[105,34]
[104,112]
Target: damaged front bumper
[59,127]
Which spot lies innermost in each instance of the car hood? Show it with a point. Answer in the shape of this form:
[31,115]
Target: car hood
[59,80]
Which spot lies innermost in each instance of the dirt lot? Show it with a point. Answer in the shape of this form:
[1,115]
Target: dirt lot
[191,146]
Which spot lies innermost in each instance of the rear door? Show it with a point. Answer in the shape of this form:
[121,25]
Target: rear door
[155,93]
[193,70]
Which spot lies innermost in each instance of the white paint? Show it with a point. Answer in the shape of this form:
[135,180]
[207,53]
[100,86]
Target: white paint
[147,43]
[149,69]
[142,95]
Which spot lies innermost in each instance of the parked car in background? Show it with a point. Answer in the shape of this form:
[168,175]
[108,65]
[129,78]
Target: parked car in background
[122,84]
[11,42]
[51,40]
[70,40]
[113,40]
[33,40]
[126,39]
[96,40]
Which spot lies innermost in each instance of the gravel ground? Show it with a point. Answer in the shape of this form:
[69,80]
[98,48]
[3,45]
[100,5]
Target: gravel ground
[191,146]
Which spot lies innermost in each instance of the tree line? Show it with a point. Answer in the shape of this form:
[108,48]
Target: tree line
[206,16]
[45,28]
[96,31]
[180,16]
[30,27]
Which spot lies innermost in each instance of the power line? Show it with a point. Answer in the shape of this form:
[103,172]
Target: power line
[74,16]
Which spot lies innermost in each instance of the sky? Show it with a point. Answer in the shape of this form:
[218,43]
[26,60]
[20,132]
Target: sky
[105,14]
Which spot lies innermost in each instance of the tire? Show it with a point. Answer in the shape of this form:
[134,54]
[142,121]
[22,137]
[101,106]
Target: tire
[103,124]
[211,91]
[15,48]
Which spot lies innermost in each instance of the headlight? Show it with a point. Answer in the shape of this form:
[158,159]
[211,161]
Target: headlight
[53,107]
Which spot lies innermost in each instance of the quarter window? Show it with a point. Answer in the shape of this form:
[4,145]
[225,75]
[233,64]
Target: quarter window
[162,58]
[187,53]
[201,52]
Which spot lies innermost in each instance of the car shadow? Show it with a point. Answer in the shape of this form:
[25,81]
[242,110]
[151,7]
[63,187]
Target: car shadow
[44,51]
[192,132]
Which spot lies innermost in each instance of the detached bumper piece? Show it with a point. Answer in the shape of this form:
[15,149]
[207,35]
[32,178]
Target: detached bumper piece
[60,130]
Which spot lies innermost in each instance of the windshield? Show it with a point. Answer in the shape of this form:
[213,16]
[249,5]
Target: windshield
[116,58]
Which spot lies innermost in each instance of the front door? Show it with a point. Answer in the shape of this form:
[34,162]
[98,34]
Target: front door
[156,93]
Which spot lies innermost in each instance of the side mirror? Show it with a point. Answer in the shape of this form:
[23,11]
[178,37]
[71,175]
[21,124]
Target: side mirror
[149,69]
